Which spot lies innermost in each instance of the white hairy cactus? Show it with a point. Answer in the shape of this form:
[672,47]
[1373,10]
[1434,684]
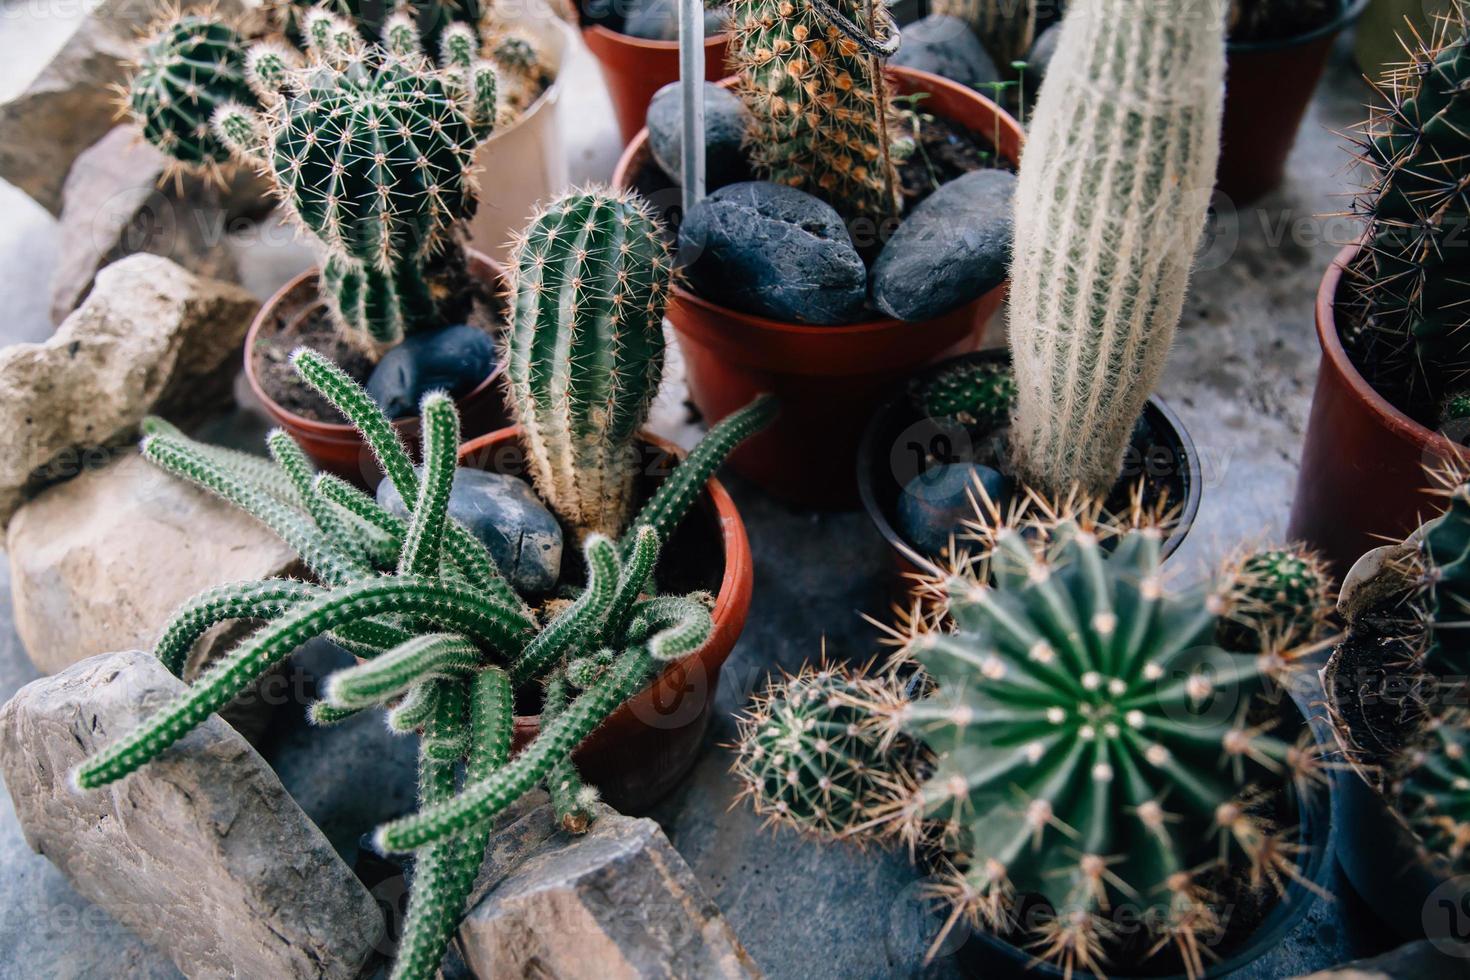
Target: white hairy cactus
[1114,187]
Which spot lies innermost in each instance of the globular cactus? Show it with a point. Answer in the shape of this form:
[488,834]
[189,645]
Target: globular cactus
[590,277]
[974,393]
[1442,589]
[189,66]
[430,18]
[1005,28]
[1275,598]
[1110,205]
[1433,790]
[1414,340]
[818,102]
[812,753]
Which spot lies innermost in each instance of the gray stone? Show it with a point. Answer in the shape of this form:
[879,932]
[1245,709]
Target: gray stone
[618,902]
[455,359]
[202,853]
[151,338]
[935,504]
[1423,960]
[1038,59]
[504,512]
[658,20]
[951,249]
[725,121]
[115,205]
[947,47]
[773,251]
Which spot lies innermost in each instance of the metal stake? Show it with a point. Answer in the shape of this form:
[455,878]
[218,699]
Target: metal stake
[691,94]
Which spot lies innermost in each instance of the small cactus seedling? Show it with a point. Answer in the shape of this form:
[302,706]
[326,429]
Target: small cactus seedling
[590,278]
[1275,598]
[819,105]
[1433,791]
[974,393]
[188,68]
[443,640]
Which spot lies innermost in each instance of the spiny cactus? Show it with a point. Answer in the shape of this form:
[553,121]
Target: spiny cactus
[1110,205]
[1433,791]
[818,102]
[1442,592]
[1275,598]
[590,277]
[1414,342]
[442,639]
[430,18]
[813,755]
[1005,28]
[189,66]
[975,393]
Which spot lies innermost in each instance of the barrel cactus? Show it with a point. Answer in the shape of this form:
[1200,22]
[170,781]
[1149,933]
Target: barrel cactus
[1110,205]
[1414,340]
[590,277]
[189,66]
[444,643]
[1275,598]
[1441,574]
[974,393]
[1433,790]
[818,102]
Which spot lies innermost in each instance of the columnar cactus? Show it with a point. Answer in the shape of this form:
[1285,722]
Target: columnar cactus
[818,102]
[1415,339]
[442,639]
[1005,28]
[1110,205]
[1434,790]
[189,66]
[590,277]
[975,393]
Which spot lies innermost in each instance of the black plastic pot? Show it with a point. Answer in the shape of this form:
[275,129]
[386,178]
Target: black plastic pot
[898,436]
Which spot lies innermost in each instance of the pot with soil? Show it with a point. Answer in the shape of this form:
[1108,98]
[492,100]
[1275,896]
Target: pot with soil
[942,435]
[784,294]
[636,45]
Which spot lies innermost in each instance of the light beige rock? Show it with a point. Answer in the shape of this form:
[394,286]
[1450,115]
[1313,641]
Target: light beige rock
[1423,960]
[618,902]
[151,338]
[202,852]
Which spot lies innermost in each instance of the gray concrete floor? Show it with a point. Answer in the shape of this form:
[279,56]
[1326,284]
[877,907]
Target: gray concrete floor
[1240,377]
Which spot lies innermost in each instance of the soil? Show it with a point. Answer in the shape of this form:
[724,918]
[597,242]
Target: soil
[301,320]
[1379,702]
[944,150]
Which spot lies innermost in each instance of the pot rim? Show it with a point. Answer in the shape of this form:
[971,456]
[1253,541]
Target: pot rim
[732,601]
[1348,12]
[1194,477]
[711,42]
[636,146]
[1330,340]
[341,431]
[549,96]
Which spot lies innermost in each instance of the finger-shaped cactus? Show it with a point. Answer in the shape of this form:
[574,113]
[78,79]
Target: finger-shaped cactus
[422,547]
[238,600]
[569,633]
[572,800]
[1110,204]
[189,66]
[429,657]
[590,278]
[1434,791]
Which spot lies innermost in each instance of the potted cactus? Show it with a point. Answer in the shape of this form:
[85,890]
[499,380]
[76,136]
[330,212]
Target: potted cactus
[1087,758]
[874,240]
[445,640]
[1391,320]
[1396,689]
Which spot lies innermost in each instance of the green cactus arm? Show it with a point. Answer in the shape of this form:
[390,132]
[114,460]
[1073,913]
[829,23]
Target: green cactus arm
[579,624]
[478,803]
[237,600]
[239,130]
[571,800]
[368,638]
[484,85]
[401,35]
[268,69]
[675,626]
[321,714]
[320,554]
[432,656]
[459,47]
[492,723]
[677,494]
[638,565]
[247,467]
[189,66]
[413,711]
[298,469]
[465,612]
[422,547]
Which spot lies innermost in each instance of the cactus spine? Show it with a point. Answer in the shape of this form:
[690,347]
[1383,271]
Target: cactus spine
[1434,790]
[818,101]
[1110,205]
[974,393]
[590,279]
[1276,597]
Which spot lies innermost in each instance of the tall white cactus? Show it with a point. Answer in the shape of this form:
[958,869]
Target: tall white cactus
[1114,187]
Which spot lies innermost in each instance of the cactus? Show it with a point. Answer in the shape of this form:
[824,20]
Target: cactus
[1275,598]
[973,393]
[430,18]
[589,281]
[436,626]
[1442,587]
[1005,28]
[189,66]
[1110,205]
[1433,790]
[1413,341]
[818,102]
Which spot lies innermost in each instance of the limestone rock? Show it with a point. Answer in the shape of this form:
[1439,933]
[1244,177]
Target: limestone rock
[202,853]
[116,203]
[151,338]
[617,902]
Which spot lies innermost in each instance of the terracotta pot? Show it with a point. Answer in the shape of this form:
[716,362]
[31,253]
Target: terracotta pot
[1268,86]
[827,378]
[336,446]
[645,747]
[635,69]
[887,460]
[1363,477]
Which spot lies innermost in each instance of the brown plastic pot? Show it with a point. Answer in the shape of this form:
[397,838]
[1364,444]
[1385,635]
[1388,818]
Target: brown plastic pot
[827,378]
[1364,466]
[337,447]
[635,68]
[646,747]
[1268,86]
